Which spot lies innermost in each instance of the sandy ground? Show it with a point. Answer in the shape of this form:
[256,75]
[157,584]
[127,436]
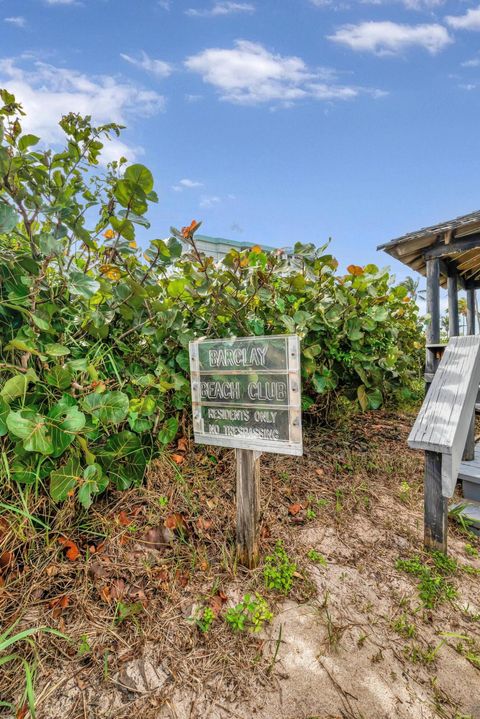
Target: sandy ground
[337,652]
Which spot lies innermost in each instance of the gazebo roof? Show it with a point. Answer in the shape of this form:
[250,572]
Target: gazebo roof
[455,242]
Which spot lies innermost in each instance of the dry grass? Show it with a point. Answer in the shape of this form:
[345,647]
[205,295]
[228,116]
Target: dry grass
[136,582]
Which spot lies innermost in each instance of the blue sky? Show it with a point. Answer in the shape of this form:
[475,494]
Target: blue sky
[270,120]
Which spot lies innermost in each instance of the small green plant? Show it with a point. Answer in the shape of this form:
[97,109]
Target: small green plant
[471,551]
[310,513]
[278,571]
[204,618]
[251,613]
[405,492]
[7,640]
[316,557]
[433,588]
[403,627]
[84,646]
[163,501]
[127,611]
[464,523]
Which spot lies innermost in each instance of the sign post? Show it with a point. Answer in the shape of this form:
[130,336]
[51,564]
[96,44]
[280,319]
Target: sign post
[246,394]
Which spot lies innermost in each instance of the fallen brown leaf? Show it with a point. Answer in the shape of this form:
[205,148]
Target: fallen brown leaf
[182,444]
[178,458]
[72,551]
[123,519]
[295,509]
[175,521]
[157,537]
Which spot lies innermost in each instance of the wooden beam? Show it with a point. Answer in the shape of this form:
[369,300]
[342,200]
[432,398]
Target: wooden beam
[469,450]
[453,318]
[442,250]
[435,504]
[470,310]
[433,301]
[248,506]
[433,309]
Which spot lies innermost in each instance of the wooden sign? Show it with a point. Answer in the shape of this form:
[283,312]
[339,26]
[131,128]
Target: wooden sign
[246,393]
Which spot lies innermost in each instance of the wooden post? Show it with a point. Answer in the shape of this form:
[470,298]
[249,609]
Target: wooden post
[470,310]
[435,504]
[433,309]
[469,451]
[248,506]
[453,319]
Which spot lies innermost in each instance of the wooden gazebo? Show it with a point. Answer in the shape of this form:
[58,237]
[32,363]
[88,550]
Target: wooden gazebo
[448,254]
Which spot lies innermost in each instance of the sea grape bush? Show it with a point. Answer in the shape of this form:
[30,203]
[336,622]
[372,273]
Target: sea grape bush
[94,331]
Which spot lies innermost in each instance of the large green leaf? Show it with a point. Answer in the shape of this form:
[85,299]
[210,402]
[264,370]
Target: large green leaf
[168,431]
[83,285]
[93,482]
[8,218]
[4,411]
[65,480]
[17,386]
[122,444]
[56,350]
[109,407]
[140,175]
[27,141]
[33,430]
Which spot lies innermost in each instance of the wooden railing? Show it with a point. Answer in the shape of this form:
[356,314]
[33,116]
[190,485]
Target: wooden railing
[442,428]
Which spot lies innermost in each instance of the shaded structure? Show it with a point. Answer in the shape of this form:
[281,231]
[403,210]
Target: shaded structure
[448,255]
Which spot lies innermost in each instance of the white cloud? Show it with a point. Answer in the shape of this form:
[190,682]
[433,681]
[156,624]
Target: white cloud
[389,38]
[48,92]
[160,68]
[474,62]
[409,4]
[17,20]
[469,21]
[61,2]
[209,201]
[249,74]
[224,7]
[186,183]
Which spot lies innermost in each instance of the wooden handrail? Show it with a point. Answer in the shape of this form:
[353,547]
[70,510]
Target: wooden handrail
[442,426]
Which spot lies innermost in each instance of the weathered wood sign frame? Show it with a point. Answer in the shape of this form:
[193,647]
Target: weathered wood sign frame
[246,394]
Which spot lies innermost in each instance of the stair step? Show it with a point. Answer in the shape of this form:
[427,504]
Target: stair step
[471,512]
[469,473]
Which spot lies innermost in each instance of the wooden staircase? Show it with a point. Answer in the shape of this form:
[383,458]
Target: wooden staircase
[469,474]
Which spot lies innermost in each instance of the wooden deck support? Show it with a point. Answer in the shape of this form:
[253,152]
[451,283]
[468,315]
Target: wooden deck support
[469,451]
[435,504]
[248,506]
[433,309]
[453,318]
[470,310]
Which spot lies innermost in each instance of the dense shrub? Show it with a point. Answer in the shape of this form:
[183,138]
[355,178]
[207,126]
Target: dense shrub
[94,332]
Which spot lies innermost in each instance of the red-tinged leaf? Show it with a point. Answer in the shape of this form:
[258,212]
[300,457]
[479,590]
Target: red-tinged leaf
[58,604]
[105,594]
[355,270]
[265,532]
[21,712]
[72,551]
[204,524]
[295,509]
[178,458]
[187,232]
[182,444]
[175,521]
[123,519]
[6,560]
[181,578]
